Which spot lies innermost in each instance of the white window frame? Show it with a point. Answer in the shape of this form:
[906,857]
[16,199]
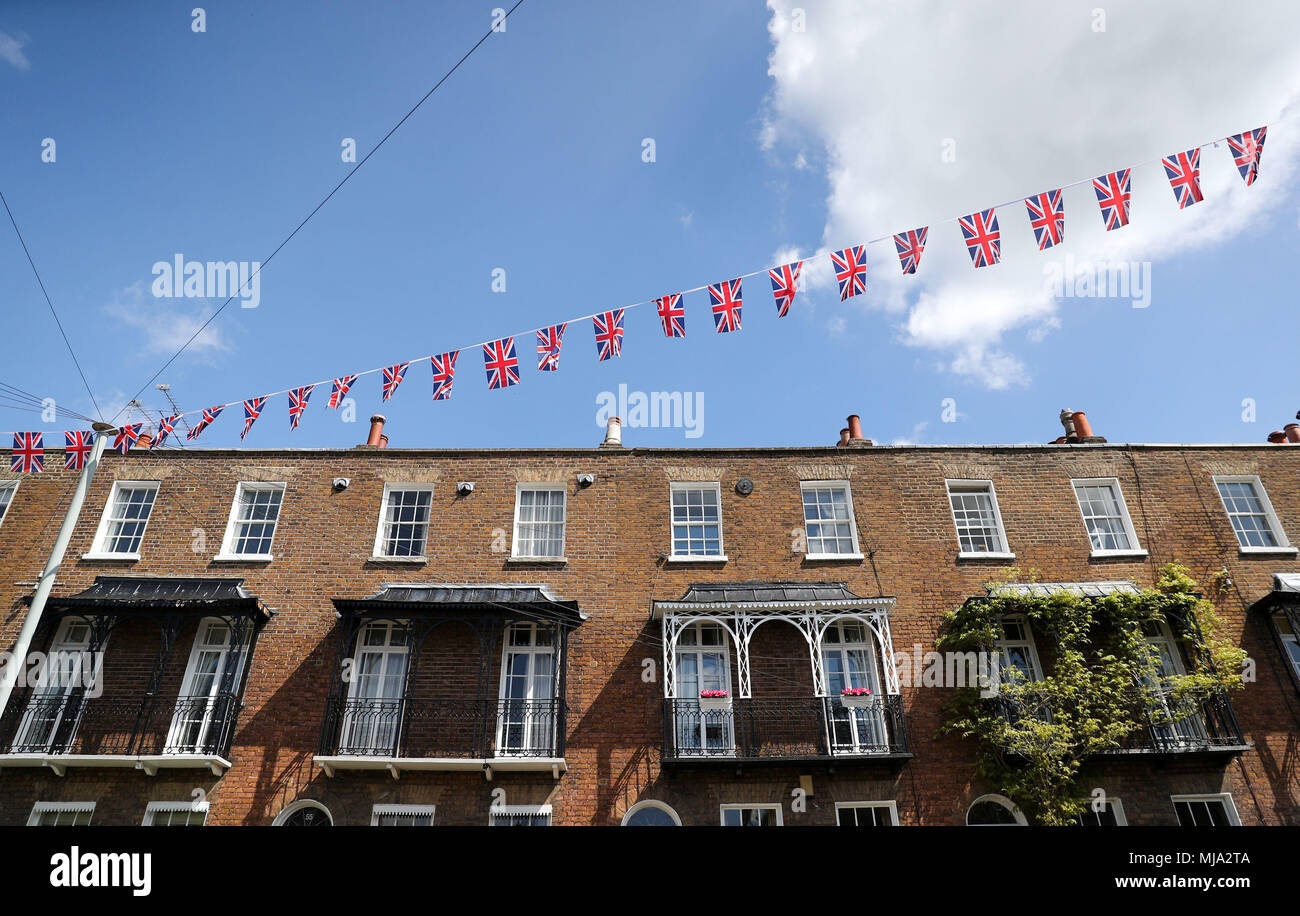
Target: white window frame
[1135,546]
[856,553]
[207,720]
[1289,638]
[378,811]
[673,556]
[41,808]
[557,487]
[751,806]
[891,806]
[423,557]
[1116,807]
[1229,806]
[651,803]
[1028,643]
[970,484]
[537,734]
[1012,807]
[97,551]
[10,487]
[229,540]
[514,810]
[289,810]
[1283,544]
[154,808]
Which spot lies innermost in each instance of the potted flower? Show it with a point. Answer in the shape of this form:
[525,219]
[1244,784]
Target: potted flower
[715,699]
[855,697]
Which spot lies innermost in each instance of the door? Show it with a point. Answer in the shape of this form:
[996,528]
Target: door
[1188,731]
[50,720]
[376,691]
[527,712]
[703,663]
[201,708]
[849,660]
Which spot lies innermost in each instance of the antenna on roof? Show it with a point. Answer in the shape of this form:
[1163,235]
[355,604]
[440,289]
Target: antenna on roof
[176,408]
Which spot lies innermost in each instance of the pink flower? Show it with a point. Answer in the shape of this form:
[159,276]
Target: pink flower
[856,692]
[713,693]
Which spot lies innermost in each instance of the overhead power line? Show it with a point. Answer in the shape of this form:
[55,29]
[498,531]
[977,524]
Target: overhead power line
[324,201]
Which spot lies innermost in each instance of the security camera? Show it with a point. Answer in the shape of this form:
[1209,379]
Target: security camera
[341,483]
[586,480]
[465,487]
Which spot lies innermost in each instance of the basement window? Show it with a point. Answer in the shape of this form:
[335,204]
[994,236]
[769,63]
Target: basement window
[866,814]
[751,815]
[175,814]
[519,816]
[402,816]
[1206,810]
[61,814]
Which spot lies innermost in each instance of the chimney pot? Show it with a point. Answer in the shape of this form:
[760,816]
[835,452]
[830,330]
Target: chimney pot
[1082,428]
[613,433]
[1067,420]
[377,437]
[1277,437]
[1292,431]
[144,440]
[844,438]
[855,427]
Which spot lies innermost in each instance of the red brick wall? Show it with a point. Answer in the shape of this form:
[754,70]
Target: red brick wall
[617,529]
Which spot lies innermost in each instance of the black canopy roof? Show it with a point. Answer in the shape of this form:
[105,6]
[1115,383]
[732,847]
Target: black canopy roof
[533,600]
[122,594]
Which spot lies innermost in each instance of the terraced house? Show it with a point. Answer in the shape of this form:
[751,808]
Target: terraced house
[613,635]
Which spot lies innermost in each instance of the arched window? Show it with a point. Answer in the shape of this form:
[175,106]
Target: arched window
[304,813]
[994,811]
[651,814]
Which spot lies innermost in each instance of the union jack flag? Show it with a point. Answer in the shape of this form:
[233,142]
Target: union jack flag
[166,426]
[298,403]
[672,315]
[337,393]
[444,373]
[393,376]
[1113,198]
[785,284]
[126,436]
[253,410]
[76,450]
[850,270]
[501,363]
[1246,148]
[725,299]
[549,341]
[609,334]
[910,244]
[1184,173]
[29,454]
[204,421]
[1047,218]
[983,239]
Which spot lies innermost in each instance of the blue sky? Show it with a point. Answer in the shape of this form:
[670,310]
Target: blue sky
[768,140]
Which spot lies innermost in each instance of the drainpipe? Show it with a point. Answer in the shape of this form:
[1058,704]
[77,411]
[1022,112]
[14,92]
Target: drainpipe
[18,658]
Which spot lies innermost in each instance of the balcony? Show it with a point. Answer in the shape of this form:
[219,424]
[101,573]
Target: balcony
[407,730]
[785,730]
[139,732]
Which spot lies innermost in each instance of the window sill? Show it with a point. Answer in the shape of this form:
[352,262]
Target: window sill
[985,555]
[535,561]
[831,557]
[243,558]
[685,558]
[1117,554]
[115,557]
[408,561]
[1267,551]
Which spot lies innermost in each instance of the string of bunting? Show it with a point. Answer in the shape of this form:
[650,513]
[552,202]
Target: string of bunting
[980,231]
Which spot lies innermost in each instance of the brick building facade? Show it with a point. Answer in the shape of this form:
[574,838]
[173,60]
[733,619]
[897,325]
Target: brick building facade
[370,680]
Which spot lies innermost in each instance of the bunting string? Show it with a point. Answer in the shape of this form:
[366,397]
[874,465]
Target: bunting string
[980,231]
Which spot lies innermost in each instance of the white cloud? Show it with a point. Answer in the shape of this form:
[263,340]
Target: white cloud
[1032,98]
[164,325]
[11,51]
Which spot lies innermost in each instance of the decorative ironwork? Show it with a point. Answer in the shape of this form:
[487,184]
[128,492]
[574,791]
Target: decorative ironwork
[788,728]
[467,729]
[77,724]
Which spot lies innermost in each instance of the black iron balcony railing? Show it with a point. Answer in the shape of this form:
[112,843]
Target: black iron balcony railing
[1172,726]
[446,729]
[148,725]
[794,728]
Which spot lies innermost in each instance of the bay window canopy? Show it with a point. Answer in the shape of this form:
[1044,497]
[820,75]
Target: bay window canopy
[123,595]
[469,600]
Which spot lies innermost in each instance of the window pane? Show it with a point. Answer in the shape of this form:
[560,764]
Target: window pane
[128,517]
[697,528]
[976,520]
[406,523]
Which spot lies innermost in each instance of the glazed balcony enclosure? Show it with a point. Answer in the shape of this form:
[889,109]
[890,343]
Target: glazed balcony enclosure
[450,678]
[113,691]
[794,649]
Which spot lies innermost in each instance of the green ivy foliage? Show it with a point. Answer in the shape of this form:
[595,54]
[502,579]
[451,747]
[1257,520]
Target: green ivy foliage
[1034,737]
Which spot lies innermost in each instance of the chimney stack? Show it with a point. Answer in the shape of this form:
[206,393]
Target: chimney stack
[613,433]
[1077,428]
[377,438]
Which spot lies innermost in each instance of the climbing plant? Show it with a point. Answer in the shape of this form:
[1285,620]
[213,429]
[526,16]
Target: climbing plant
[1104,683]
